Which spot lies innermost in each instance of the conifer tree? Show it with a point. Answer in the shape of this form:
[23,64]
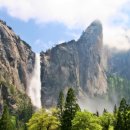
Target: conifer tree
[5,121]
[97,113]
[60,104]
[121,123]
[105,110]
[115,110]
[128,119]
[71,107]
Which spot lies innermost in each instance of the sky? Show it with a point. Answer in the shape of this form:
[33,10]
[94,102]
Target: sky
[45,23]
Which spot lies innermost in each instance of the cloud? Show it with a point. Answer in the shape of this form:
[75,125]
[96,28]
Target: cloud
[117,37]
[69,12]
[76,14]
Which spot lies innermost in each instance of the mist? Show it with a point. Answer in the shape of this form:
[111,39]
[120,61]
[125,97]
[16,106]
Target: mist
[94,104]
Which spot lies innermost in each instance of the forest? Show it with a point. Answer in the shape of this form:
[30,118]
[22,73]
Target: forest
[67,115]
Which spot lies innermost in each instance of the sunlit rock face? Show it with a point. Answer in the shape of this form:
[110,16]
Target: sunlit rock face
[16,66]
[74,64]
[16,58]
[91,71]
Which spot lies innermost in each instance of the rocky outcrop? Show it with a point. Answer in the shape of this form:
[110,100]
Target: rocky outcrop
[74,64]
[16,58]
[16,66]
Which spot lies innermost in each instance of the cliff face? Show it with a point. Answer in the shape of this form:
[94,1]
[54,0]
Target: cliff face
[78,64]
[74,64]
[119,64]
[16,58]
[16,66]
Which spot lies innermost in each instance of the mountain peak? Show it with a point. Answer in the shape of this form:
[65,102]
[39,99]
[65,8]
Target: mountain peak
[93,32]
[95,27]
[3,22]
[96,23]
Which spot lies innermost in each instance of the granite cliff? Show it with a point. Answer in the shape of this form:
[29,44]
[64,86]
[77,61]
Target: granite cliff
[16,58]
[76,64]
[16,66]
[85,64]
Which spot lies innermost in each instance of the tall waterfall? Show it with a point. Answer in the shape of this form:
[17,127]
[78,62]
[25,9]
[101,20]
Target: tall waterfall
[34,88]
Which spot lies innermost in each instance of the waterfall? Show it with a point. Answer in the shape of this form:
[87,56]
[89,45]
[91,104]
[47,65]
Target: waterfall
[34,88]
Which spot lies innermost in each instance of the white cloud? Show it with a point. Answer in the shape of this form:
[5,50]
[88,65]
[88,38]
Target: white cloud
[75,14]
[117,37]
[69,12]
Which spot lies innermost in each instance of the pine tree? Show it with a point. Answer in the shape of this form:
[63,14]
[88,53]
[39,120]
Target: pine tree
[105,110]
[5,121]
[97,113]
[121,123]
[60,104]
[128,119]
[115,110]
[71,107]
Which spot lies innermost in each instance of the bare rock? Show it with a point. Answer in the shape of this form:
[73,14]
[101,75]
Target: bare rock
[74,64]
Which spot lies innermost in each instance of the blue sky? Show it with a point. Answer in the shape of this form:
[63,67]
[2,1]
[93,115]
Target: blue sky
[45,23]
[39,36]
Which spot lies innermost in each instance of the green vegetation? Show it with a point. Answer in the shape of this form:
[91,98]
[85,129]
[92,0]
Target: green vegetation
[19,104]
[43,120]
[71,107]
[60,105]
[66,116]
[123,116]
[118,88]
[107,121]
[5,122]
[82,120]
[86,121]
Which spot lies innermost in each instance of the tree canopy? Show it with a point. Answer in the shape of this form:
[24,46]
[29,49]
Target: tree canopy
[86,121]
[5,121]
[71,107]
[43,120]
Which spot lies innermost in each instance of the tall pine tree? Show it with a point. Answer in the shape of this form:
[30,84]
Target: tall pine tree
[115,110]
[121,123]
[60,104]
[71,107]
